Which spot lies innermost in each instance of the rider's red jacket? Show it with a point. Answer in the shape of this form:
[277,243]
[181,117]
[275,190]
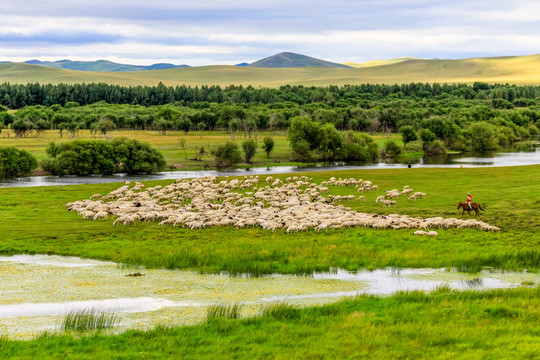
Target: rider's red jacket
[469,198]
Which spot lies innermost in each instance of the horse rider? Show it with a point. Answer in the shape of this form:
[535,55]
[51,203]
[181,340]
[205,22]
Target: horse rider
[469,199]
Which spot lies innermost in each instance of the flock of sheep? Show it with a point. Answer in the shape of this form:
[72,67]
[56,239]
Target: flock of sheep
[296,204]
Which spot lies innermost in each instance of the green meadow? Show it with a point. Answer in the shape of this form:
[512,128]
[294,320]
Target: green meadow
[441,325]
[508,195]
[498,324]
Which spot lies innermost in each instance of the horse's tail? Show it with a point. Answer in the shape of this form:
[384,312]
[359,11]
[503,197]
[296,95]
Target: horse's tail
[480,207]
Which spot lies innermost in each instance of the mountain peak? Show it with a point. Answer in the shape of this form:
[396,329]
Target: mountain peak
[289,59]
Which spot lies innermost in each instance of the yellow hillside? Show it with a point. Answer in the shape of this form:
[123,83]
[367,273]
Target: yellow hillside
[517,70]
[379,62]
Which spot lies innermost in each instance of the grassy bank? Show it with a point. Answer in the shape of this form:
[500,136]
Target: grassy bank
[178,148]
[33,220]
[458,325]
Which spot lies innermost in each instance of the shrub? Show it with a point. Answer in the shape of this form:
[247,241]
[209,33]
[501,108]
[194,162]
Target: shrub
[268,145]
[483,136]
[435,147]
[391,149]
[250,149]
[360,147]
[16,163]
[82,157]
[226,155]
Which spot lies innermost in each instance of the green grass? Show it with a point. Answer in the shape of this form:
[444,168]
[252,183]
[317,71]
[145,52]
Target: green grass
[508,193]
[88,319]
[516,70]
[442,325]
[223,312]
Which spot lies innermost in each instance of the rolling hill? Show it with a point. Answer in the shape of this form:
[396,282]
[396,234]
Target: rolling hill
[517,70]
[292,60]
[101,65]
[379,62]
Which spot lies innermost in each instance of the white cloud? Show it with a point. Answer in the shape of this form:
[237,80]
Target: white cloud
[216,31]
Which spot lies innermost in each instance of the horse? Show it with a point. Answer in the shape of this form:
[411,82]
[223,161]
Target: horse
[475,206]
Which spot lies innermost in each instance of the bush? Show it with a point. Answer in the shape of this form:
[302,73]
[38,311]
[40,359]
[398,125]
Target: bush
[360,147]
[391,149]
[83,157]
[483,136]
[226,155]
[250,149]
[268,145]
[435,147]
[16,163]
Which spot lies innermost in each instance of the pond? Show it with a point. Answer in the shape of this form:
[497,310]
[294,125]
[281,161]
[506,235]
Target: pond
[448,160]
[38,290]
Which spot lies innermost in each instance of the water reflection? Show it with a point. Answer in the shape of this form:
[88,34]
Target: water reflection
[37,290]
[445,160]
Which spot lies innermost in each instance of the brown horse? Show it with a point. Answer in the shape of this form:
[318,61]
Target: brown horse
[475,206]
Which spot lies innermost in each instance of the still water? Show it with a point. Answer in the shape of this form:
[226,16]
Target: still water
[447,161]
[38,290]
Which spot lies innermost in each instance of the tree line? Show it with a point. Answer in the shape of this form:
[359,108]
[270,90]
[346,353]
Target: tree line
[16,96]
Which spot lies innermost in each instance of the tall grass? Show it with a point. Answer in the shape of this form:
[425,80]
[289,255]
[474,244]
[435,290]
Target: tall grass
[281,311]
[88,319]
[221,311]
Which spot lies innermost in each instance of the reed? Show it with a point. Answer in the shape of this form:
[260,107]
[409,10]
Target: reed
[88,319]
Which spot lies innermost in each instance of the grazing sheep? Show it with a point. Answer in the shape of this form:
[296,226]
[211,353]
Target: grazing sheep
[432,233]
[293,206]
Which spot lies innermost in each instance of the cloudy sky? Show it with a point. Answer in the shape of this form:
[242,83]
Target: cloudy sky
[204,32]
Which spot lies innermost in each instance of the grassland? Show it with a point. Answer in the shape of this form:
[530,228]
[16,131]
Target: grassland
[498,324]
[509,195]
[171,147]
[443,325]
[523,70]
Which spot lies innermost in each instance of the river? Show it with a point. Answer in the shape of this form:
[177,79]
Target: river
[443,161]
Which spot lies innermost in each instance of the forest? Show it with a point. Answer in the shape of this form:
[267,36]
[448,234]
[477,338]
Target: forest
[444,117]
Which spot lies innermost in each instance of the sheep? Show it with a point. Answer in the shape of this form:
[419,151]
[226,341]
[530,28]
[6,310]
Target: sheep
[420,232]
[203,202]
[432,233]
[362,198]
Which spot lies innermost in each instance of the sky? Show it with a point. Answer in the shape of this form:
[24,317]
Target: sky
[210,32]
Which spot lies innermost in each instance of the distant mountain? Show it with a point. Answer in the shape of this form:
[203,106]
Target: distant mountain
[101,65]
[291,60]
[380,62]
[242,64]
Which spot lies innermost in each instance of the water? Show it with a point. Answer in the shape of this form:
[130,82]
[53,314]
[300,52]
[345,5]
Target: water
[447,161]
[38,290]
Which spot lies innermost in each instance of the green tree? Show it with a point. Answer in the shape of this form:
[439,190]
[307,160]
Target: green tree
[408,134]
[250,149]
[427,137]
[226,156]
[331,146]
[483,136]
[268,145]
[16,163]
[184,125]
[391,149]
[304,137]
